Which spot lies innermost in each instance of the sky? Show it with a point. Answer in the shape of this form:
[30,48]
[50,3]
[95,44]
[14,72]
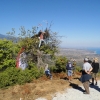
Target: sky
[77,21]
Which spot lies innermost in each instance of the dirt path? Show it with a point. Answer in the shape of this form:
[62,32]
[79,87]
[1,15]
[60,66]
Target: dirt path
[76,93]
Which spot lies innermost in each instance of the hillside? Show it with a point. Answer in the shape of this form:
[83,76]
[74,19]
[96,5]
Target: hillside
[2,36]
[43,87]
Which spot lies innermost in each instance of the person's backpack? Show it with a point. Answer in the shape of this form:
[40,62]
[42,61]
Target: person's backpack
[69,66]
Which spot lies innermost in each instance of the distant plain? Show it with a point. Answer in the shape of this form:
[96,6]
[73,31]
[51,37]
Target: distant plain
[77,54]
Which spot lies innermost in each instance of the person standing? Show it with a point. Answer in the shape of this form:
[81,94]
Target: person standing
[41,38]
[69,69]
[90,62]
[86,70]
[74,65]
[95,66]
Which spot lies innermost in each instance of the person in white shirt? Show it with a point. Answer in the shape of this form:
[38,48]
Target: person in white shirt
[86,70]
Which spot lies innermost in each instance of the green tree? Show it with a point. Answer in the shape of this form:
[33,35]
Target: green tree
[7,54]
[29,39]
[37,57]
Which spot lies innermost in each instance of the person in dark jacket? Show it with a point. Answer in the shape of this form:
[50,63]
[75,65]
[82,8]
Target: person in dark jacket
[95,66]
[69,69]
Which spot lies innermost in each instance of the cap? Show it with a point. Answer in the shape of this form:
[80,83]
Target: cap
[85,59]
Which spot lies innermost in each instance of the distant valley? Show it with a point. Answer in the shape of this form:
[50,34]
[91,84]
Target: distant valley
[77,54]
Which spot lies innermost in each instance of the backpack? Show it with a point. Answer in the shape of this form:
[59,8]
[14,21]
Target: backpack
[69,66]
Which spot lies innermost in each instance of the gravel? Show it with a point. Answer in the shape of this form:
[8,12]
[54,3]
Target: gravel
[76,93]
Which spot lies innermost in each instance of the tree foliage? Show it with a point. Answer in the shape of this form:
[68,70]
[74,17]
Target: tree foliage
[7,54]
[28,39]
[61,64]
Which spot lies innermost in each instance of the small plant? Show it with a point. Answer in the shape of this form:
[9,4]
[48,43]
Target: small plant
[61,64]
[78,68]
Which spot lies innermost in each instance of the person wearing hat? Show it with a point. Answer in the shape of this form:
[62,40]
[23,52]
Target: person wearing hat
[69,69]
[86,70]
[95,66]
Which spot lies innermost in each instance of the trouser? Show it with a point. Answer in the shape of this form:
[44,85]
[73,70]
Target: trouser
[94,77]
[86,86]
[41,42]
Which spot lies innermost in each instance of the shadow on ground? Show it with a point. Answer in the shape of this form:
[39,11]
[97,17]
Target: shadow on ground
[95,87]
[75,86]
[64,78]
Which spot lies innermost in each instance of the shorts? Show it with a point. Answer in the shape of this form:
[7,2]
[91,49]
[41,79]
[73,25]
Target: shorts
[69,72]
[94,75]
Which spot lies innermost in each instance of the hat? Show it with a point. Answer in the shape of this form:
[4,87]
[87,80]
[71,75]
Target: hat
[96,59]
[74,60]
[85,59]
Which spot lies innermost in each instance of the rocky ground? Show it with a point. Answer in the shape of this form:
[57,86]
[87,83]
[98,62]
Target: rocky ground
[76,93]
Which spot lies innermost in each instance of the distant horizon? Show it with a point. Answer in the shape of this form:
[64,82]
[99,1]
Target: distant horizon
[77,21]
[79,47]
[72,47]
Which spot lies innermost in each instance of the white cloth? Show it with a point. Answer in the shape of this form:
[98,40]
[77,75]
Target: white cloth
[22,61]
[86,66]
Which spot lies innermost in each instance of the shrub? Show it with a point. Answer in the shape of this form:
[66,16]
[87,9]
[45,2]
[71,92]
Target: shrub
[78,68]
[53,69]
[7,54]
[60,64]
[12,76]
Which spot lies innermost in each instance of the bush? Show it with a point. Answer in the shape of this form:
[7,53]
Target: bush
[78,68]
[61,64]
[8,77]
[53,69]
[7,54]
[12,76]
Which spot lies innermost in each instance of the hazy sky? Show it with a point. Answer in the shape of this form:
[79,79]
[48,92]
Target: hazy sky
[78,20]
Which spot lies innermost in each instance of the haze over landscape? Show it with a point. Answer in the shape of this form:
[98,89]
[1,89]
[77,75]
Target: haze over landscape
[77,21]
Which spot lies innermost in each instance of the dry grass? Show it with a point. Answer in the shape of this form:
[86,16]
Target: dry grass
[43,87]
